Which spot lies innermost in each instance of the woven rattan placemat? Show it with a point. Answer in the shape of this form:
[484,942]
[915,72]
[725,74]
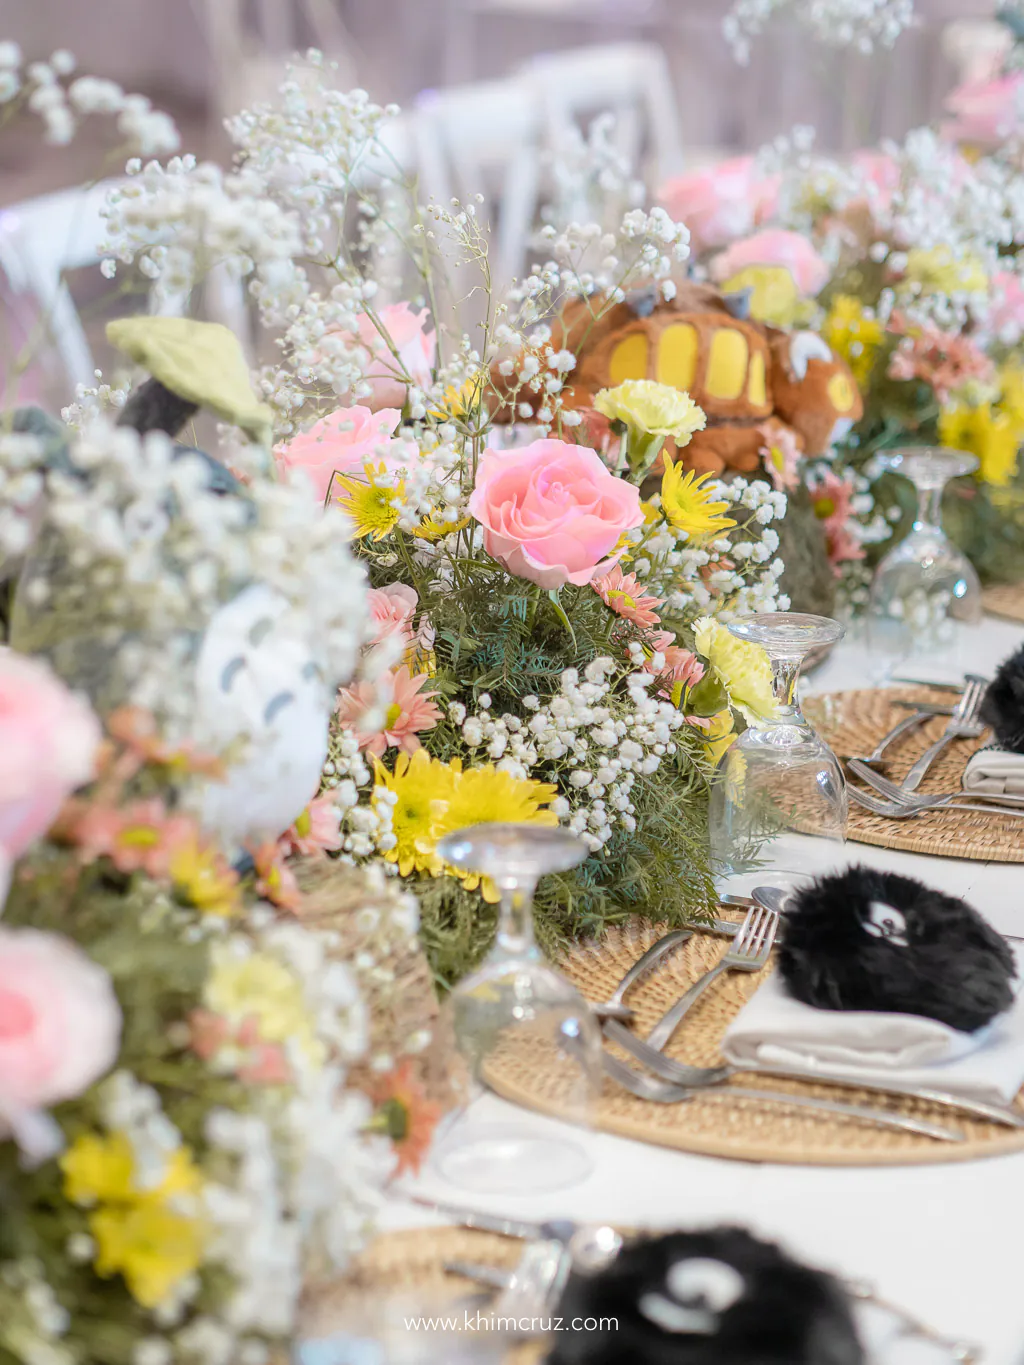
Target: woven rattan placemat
[711,1123]
[1006,600]
[854,722]
[402,1272]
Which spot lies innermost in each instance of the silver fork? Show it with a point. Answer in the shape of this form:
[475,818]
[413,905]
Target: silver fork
[963,724]
[900,810]
[908,723]
[662,1092]
[613,1007]
[893,792]
[748,952]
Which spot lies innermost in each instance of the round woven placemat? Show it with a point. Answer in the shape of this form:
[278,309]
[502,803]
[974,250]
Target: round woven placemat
[854,722]
[408,1268]
[712,1123]
[1006,600]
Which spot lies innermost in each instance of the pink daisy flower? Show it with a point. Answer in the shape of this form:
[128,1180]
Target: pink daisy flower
[317,828]
[411,711]
[781,455]
[140,838]
[682,666]
[627,597]
[832,497]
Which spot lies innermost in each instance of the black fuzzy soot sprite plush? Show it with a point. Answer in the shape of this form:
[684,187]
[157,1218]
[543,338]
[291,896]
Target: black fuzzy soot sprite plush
[1003,707]
[866,940]
[718,1297]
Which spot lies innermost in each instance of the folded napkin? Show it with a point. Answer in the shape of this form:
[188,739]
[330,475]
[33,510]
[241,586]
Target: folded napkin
[996,772]
[773,1029]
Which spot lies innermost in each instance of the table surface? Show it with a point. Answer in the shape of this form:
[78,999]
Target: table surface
[942,1241]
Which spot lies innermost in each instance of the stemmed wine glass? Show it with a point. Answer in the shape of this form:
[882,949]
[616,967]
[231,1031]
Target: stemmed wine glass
[779,776]
[924,590]
[515,1000]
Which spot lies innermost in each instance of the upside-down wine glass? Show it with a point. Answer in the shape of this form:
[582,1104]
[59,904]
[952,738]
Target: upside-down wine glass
[924,592]
[779,777]
[516,1016]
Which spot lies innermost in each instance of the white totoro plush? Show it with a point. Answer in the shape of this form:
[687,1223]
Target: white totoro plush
[261,701]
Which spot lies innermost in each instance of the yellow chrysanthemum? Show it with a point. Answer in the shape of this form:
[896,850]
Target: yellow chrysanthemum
[431,529]
[457,402]
[938,271]
[854,334]
[488,795]
[201,877]
[742,667]
[774,296]
[1011,388]
[141,1232]
[261,988]
[993,436]
[690,506]
[373,507]
[422,787]
[652,408]
[153,1247]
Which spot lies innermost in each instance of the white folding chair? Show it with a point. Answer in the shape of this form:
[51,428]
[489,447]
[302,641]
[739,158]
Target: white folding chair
[42,238]
[251,43]
[630,80]
[484,139]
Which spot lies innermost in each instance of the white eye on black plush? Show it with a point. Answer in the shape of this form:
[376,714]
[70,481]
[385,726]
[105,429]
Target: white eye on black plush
[701,1290]
[885,921]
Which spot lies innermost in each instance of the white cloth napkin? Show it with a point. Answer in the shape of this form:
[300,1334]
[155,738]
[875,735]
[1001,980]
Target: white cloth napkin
[773,1029]
[996,772]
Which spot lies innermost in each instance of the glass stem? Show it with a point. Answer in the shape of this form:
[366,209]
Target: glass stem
[515,919]
[929,508]
[784,678]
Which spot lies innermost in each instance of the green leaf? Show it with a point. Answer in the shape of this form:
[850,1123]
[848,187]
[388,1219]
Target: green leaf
[560,613]
[708,697]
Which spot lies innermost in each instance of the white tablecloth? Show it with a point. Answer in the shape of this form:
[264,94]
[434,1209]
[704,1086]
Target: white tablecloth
[943,1241]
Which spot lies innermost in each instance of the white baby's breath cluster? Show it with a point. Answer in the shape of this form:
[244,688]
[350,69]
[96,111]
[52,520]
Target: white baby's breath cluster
[590,176]
[735,575]
[52,92]
[972,214]
[136,539]
[861,24]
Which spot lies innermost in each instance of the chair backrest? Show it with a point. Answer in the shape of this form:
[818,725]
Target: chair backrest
[39,240]
[252,41]
[631,81]
[976,46]
[484,139]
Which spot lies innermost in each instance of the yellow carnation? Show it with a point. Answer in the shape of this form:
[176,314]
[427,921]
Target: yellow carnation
[938,271]
[743,668]
[652,408]
[993,436]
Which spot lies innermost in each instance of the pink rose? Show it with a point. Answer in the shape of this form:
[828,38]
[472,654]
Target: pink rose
[986,112]
[48,743]
[880,175]
[721,202]
[60,1029]
[1006,318]
[391,611]
[775,246]
[416,347]
[552,512]
[340,443]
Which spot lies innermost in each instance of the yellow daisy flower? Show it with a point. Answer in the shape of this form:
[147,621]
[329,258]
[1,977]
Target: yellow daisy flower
[203,879]
[689,506]
[422,786]
[151,1246]
[372,508]
[431,529]
[852,334]
[487,795]
[993,436]
[719,735]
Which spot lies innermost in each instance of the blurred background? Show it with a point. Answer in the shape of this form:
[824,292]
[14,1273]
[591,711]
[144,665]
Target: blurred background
[488,87]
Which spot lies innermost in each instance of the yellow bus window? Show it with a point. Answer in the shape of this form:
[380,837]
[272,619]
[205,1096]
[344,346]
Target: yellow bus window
[756,390]
[727,364]
[629,360]
[677,355]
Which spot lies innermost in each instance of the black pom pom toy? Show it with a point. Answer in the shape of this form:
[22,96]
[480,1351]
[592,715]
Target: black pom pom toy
[718,1297]
[866,940]
[1003,707]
